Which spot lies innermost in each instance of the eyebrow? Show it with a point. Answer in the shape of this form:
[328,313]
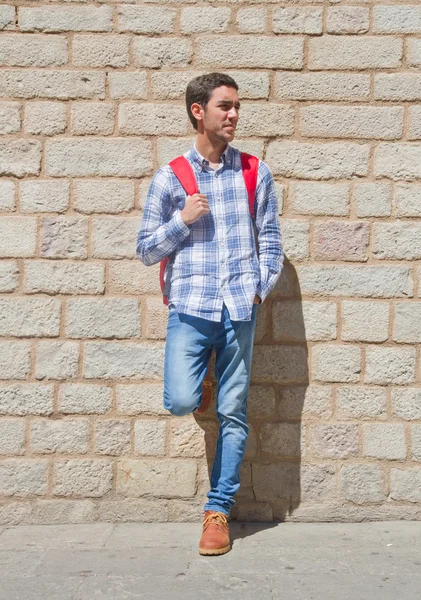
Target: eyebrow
[237,104]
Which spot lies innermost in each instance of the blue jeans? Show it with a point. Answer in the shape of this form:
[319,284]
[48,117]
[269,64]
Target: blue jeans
[188,348]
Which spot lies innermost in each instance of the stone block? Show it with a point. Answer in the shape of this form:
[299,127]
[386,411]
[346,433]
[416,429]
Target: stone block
[314,401]
[9,274]
[305,19]
[84,398]
[363,483]
[83,477]
[279,364]
[297,321]
[63,277]
[397,19]
[364,281]
[407,323]
[191,439]
[104,318]
[57,360]
[155,53]
[336,363]
[414,129]
[128,85]
[44,196]
[66,18]
[134,511]
[27,317]
[152,119]
[334,440]
[10,121]
[372,122]
[113,437]
[247,51]
[339,240]
[405,484]
[384,441]
[360,402]
[64,237]
[7,196]
[251,20]
[143,399]
[165,478]
[397,240]
[62,85]
[23,477]
[100,51]
[283,439]
[114,237]
[7,17]
[150,437]
[21,399]
[112,157]
[12,436]
[398,161]
[45,118]
[92,118]
[276,481]
[413,51]
[23,50]
[406,403]
[205,19]
[63,436]
[329,160]
[146,19]
[351,87]
[398,86]
[373,199]
[103,196]
[155,321]
[348,19]
[390,365]
[320,198]
[133,277]
[273,120]
[17,237]
[408,199]
[19,157]
[354,52]
[108,360]
[318,482]
[365,321]
[416,442]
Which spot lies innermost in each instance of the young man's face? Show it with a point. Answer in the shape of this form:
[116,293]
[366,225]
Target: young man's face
[220,117]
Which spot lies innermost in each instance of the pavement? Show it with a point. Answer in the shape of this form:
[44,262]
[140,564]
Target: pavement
[268,561]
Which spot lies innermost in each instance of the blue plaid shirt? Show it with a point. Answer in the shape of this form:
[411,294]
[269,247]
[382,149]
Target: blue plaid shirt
[214,260]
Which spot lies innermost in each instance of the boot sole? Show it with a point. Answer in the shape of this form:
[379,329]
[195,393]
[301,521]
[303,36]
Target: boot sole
[214,551]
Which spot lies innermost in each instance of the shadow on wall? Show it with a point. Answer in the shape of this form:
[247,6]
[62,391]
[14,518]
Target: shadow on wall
[270,477]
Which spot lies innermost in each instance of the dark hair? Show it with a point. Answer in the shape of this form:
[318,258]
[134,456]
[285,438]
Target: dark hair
[200,90]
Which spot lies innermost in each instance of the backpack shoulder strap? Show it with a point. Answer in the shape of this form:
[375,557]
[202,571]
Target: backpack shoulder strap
[183,171]
[250,166]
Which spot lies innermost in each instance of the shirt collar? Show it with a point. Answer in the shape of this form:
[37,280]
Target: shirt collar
[201,161]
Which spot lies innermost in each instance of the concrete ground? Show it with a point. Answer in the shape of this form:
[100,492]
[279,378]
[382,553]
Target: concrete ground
[288,561]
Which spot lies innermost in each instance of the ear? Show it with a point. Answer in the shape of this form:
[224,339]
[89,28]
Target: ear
[197,111]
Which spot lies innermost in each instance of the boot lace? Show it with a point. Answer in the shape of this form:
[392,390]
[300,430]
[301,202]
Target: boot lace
[218,518]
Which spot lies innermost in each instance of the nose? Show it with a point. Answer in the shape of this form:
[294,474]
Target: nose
[233,113]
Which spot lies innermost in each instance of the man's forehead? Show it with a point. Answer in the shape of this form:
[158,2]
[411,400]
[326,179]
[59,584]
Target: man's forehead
[225,94]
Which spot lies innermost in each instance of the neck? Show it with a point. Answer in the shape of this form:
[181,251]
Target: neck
[209,149]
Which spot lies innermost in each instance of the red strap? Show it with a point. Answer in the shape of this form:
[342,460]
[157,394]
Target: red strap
[250,166]
[185,175]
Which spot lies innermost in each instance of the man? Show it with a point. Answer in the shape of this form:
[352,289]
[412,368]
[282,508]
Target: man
[214,281]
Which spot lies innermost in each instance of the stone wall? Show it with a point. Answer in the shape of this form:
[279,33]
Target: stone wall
[91,104]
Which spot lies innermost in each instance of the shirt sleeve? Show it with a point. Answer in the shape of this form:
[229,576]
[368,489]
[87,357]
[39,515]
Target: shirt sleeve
[271,255]
[162,228]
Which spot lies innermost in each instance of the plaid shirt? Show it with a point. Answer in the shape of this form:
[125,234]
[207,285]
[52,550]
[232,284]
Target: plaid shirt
[214,260]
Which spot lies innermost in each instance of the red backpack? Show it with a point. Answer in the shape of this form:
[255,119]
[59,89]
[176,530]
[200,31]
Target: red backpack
[183,171]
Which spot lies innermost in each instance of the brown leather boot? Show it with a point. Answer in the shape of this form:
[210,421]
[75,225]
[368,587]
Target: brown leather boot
[215,537]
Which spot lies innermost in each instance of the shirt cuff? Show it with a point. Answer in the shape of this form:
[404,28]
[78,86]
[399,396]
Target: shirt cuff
[179,225]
